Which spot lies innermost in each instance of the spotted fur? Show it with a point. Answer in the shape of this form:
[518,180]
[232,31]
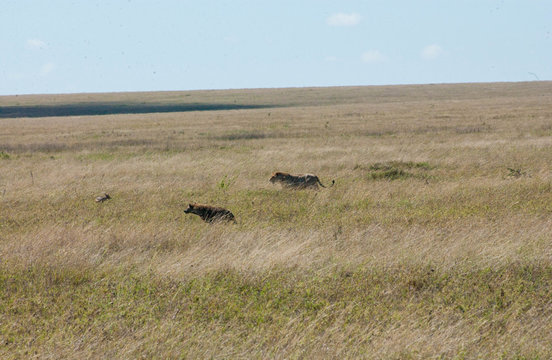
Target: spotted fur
[210,213]
[297,181]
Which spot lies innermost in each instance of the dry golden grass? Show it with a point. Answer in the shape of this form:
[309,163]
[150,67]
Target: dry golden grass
[428,246]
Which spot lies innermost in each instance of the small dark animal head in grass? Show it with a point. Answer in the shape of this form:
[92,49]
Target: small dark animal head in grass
[210,213]
[297,181]
[103,198]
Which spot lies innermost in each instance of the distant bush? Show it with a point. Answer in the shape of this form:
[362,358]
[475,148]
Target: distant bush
[516,172]
[4,155]
[390,174]
[241,135]
[401,165]
[397,170]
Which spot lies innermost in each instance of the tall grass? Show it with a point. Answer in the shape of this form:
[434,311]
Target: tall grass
[428,246]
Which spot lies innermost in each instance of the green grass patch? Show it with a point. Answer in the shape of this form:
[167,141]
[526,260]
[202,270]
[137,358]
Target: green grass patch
[98,156]
[43,305]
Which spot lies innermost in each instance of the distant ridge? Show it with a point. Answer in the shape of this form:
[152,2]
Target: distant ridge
[14,106]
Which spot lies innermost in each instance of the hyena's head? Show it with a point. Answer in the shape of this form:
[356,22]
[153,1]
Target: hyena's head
[190,209]
[277,176]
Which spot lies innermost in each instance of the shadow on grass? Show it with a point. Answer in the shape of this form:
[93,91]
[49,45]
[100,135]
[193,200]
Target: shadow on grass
[115,108]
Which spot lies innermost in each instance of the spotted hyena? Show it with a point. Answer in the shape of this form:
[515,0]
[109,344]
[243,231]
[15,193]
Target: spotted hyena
[210,213]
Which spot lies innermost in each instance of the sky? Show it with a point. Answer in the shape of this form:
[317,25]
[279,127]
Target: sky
[78,46]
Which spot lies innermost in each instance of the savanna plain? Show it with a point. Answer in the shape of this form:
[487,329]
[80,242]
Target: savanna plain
[434,242]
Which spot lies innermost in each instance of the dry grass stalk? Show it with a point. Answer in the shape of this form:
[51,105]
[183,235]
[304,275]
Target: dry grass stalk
[424,248]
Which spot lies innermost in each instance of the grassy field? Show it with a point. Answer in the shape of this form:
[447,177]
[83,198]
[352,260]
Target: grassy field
[435,241]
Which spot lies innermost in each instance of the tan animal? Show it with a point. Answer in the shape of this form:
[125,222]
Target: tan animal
[103,198]
[210,213]
[297,181]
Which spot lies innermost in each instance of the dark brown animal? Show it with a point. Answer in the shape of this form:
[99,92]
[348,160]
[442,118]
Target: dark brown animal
[297,181]
[210,213]
[103,198]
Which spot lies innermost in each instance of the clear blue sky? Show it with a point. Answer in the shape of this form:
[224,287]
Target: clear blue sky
[136,45]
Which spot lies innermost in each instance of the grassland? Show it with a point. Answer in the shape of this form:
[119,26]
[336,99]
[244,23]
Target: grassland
[435,241]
